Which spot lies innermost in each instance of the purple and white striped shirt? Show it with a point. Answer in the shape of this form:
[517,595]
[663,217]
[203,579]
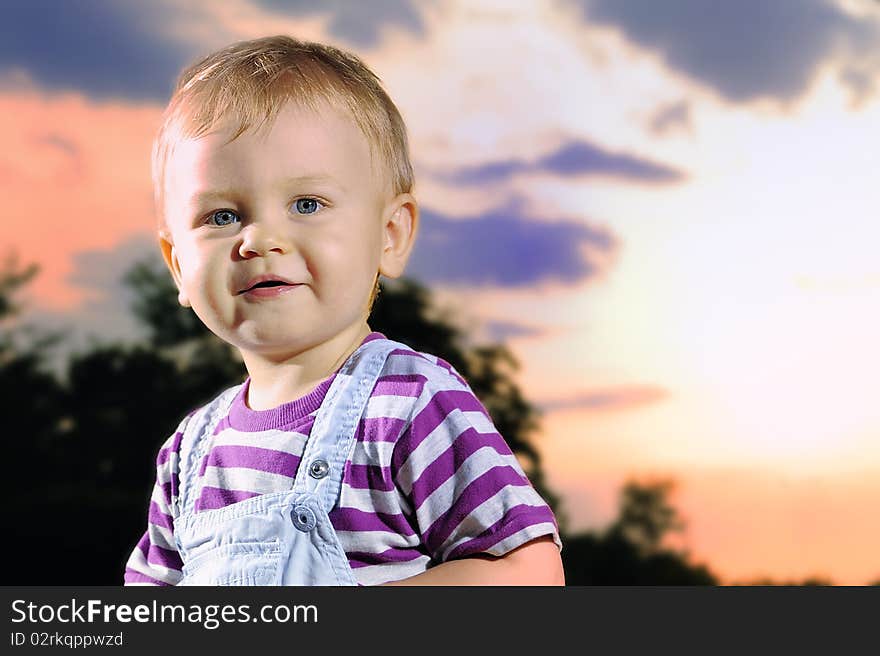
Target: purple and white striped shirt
[429,480]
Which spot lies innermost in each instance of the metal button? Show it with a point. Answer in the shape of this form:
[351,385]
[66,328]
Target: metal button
[319,469]
[303,518]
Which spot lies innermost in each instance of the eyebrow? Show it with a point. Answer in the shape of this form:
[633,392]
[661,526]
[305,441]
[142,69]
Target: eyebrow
[215,194]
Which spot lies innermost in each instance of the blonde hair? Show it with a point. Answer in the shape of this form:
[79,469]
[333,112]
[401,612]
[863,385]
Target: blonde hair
[250,81]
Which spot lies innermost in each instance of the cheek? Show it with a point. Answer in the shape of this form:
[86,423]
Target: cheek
[190,267]
[338,256]
[200,271]
[345,270]
[364,246]
[358,264]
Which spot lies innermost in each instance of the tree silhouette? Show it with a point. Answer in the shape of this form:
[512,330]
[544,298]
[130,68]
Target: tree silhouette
[155,304]
[34,423]
[646,515]
[13,277]
[29,391]
[630,551]
[810,581]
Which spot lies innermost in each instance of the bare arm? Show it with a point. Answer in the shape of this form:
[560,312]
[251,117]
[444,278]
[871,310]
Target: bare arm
[535,563]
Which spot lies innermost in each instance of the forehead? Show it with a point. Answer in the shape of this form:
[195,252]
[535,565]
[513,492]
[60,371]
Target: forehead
[299,143]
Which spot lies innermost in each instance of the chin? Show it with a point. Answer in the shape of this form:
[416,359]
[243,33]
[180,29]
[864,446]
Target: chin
[274,347]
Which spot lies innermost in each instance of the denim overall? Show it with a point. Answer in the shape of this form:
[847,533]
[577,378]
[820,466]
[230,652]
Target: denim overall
[282,538]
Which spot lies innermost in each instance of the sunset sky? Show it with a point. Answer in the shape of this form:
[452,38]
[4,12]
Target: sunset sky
[668,215]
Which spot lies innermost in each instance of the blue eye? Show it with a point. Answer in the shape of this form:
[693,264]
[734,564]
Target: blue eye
[307,205]
[223,218]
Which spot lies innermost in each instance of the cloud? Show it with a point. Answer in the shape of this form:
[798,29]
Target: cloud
[62,144]
[74,176]
[104,48]
[104,315]
[571,159]
[624,397]
[100,272]
[354,20]
[501,331]
[861,83]
[504,248]
[675,116]
[744,50]
[136,50]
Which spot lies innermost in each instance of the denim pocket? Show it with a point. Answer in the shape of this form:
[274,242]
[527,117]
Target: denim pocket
[241,563]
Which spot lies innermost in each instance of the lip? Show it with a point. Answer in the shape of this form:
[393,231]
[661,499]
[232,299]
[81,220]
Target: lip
[267,291]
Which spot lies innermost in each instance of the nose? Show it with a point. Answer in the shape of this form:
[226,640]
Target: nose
[263,237]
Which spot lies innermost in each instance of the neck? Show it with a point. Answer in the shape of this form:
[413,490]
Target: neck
[275,381]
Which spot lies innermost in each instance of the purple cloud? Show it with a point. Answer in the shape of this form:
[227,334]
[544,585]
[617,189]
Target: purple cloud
[744,50]
[505,248]
[355,21]
[100,47]
[571,159]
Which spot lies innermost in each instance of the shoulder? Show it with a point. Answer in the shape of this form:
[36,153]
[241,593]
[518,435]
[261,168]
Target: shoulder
[170,449]
[426,393]
[410,386]
[425,369]
[193,419]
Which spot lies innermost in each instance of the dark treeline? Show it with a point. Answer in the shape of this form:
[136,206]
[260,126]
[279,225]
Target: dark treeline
[83,439]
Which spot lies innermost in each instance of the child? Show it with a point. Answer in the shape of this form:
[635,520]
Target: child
[283,185]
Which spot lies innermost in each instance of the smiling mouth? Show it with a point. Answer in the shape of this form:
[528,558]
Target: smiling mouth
[267,284]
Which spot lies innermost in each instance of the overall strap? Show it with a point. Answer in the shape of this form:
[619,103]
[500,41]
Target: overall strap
[332,437]
[194,443]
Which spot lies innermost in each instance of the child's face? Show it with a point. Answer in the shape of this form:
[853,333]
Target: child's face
[298,202]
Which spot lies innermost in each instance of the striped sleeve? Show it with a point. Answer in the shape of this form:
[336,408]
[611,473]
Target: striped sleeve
[467,490]
[155,560]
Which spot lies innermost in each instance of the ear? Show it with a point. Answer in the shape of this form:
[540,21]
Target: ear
[169,254]
[400,221]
